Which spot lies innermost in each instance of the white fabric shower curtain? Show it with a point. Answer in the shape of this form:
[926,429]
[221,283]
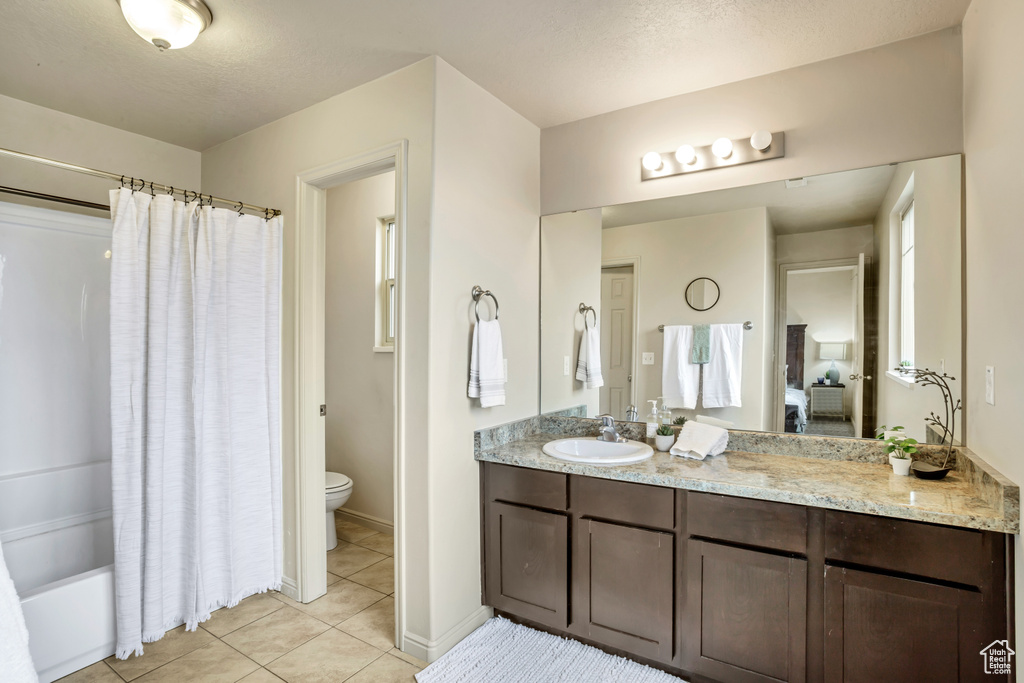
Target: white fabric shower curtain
[195,411]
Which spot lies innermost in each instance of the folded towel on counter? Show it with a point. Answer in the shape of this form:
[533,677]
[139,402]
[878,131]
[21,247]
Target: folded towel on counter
[680,379]
[723,375]
[701,352]
[588,365]
[15,660]
[714,421]
[487,365]
[698,440]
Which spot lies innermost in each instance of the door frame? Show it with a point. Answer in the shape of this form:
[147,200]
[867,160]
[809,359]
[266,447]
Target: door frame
[309,463]
[635,262]
[780,323]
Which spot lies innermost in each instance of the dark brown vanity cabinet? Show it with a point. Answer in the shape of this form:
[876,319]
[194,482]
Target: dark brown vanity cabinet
[720,588]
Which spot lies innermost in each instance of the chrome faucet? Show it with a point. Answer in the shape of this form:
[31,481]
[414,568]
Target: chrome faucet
[608,431]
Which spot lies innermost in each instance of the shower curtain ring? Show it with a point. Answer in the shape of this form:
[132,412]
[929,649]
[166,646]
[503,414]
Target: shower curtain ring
[133,185]
[122,182]
[170,191]
[239,209]
[152,190]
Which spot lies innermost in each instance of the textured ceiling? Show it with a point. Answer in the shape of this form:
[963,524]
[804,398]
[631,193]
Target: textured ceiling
[826,202]
[553,61]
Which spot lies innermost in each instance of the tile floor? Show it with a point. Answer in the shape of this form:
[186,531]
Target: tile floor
[346,635]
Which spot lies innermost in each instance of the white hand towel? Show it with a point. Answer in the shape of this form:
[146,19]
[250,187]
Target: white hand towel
[15,659]
[487,365]
[697,440]
[723,375]
[680,379]
[588,367]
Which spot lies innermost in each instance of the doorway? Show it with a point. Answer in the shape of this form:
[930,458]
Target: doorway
[618,338]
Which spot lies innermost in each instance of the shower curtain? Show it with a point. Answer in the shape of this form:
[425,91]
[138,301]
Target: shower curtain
[195,411]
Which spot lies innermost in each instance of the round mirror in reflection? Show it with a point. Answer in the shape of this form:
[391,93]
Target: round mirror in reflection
[702,294]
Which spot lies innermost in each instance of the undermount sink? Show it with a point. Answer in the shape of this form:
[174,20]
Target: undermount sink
[594,452]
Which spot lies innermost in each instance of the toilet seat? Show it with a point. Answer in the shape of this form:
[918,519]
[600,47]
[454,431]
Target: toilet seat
[337,482]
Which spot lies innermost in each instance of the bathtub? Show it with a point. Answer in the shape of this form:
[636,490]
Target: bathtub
[71,622]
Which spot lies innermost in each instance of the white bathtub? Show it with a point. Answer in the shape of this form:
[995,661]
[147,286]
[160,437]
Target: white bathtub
[71,622]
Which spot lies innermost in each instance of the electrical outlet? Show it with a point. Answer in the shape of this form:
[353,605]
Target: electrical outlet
[648,358]
[990,385]
[567,366]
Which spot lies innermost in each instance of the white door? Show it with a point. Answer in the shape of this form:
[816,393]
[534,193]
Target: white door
[858,349]
[616,340]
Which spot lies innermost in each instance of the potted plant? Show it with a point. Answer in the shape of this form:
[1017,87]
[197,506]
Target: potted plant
[900,447]
[664,438]
[679,421]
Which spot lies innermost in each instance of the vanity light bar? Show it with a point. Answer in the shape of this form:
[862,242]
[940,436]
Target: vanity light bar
[722,153]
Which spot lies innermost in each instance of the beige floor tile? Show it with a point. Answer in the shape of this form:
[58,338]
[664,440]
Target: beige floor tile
[97,673]
[215,663]
[351,559]
[387,669]
[260,676]
[330,657]
[226,620]
[174,644]
[344,599]
[381,543]
[332,578]
[374,625]
[379,577]
[347,531]
[418,663]
[266,639]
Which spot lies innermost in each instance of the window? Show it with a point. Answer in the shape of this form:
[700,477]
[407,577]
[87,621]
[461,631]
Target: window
[386,290]
[907,285]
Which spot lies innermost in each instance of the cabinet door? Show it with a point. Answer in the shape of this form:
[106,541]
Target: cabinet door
[746,614]
[625,587]
[527,563]
[885,628]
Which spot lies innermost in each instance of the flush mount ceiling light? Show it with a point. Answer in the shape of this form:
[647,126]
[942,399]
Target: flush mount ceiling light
[167,24]
[652,161]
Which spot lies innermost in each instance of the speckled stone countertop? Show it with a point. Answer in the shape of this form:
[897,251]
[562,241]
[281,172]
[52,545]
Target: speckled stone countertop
[973,496]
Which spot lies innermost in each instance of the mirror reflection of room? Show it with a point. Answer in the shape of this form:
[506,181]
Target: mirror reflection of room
[820,269]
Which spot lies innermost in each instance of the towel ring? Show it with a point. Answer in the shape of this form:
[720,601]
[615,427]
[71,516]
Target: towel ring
[584,309]
[478,293]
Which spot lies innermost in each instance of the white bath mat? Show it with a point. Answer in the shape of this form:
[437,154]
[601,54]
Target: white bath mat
[503,651]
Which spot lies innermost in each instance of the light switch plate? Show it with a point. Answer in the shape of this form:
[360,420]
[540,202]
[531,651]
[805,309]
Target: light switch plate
[567,366]
[648,358]
[990,385]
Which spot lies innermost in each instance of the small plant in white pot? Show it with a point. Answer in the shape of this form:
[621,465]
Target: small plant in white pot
[900,447]
[664,438]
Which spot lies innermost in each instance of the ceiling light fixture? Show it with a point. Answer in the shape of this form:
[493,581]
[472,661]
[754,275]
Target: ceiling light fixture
[652,161]
[686,154]
[167,24]
[722,148]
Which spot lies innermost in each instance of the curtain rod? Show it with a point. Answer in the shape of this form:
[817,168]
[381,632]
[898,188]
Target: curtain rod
[144,184]
[53,198]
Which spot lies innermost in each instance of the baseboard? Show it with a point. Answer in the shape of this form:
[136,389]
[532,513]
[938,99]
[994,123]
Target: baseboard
[290,588]
[363,519]
[430,650]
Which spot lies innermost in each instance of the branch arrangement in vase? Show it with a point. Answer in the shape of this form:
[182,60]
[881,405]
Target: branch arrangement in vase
[941,380]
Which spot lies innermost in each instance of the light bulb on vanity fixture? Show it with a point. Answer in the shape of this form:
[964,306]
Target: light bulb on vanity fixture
[686,154]
[167,24]
[761,140]
[722,148]
[652,161]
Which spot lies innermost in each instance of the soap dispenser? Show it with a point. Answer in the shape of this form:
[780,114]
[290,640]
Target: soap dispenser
[652,419]
[665,414]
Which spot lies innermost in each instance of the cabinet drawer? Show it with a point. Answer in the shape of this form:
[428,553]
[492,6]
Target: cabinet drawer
[758,523]
[938,552]
[523,486]
[620,501]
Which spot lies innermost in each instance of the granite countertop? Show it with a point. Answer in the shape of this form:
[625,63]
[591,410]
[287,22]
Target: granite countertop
[972,496]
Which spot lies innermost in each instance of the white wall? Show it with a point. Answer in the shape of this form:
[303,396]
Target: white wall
[570,273]
[824,301]
[44,132]
[937,292]
[896,102]
[993,108]
[261,167]
[358,381]
[485,231]
[825,245]
[730,248]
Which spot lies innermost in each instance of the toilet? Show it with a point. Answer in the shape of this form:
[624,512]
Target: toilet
[339,488]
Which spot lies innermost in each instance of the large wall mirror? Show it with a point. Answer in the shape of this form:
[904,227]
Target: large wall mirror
[842,277]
